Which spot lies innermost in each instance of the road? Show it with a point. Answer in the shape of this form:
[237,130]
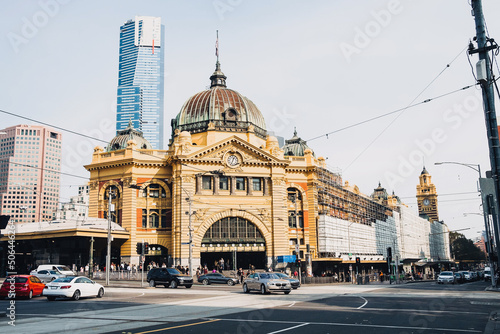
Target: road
[407,308]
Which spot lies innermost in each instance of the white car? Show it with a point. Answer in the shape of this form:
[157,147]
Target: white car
[446,277]
[73,287]
[48,275]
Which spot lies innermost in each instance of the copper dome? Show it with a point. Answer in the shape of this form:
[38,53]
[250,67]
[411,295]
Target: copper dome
[122,137]
[219,108]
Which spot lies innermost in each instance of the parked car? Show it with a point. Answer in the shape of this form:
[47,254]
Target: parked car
[293,281]
[467,276]
[211,278]
[48,275]
[168,277]
[63,270]
[446,277]
[73,287]
[24,286]
[266,283]
[459,277]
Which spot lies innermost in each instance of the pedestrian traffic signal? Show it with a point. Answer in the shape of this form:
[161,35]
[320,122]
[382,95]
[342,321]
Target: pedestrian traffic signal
[298,262]
[358,260]
[139,248]
[146,248]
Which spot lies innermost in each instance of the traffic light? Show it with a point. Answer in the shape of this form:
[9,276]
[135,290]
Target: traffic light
[358,260]
[389,255]
[298,262]
[139,248]
[146,248]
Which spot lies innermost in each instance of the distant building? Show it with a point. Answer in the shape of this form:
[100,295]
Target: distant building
[427,197]
[141,79]
[30,166]
[78,206]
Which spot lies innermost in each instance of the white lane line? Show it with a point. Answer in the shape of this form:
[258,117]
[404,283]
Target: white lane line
[366,302]
[287,329]
[291,304]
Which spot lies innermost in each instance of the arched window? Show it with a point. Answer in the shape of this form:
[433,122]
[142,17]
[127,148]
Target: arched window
[233,230]
[154,191]
[295,216]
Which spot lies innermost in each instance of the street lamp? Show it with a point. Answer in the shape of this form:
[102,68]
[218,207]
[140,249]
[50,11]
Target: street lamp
[477,168]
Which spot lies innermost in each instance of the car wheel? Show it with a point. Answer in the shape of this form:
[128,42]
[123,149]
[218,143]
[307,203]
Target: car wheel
[76,295]
[152,283]
[100,293]
[263,289]
[173,284]
[188,286]
[206,282]
[287,292]
[230,283]
[245,288]
[51,298]
[30,294]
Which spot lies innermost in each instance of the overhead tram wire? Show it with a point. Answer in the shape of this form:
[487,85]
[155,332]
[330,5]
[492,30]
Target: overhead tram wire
[404,109]
[392,112]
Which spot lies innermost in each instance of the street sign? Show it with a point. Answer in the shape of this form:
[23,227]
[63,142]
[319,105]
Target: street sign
[297,248]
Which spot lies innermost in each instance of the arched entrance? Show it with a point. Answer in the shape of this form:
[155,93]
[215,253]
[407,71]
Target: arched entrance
[236,240]
[157,256]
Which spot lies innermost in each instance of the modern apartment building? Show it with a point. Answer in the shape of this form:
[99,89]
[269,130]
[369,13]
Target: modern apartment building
[141,79]
[30,167]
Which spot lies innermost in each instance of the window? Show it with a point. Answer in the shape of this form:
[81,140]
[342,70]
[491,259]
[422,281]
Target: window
[223,183]
[257,183]
[206,182]
[144,218]
[240,183]
[154,218]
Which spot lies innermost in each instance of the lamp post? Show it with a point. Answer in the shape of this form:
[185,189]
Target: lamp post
[477,168]
[108,256]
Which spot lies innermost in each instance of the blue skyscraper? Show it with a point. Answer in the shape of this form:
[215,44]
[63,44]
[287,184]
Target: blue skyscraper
[140,78]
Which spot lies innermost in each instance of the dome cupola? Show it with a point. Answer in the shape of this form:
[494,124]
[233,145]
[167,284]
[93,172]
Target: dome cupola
[296,146]
[219,108]
[119,142]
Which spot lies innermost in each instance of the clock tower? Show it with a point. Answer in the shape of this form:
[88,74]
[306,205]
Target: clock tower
[427,197]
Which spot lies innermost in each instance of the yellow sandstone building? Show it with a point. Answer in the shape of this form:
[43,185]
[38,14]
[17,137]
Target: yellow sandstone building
[228,190]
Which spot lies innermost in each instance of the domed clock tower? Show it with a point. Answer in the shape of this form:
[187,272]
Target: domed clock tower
[427,197]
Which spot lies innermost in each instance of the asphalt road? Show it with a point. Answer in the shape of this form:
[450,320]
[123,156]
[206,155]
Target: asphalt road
[409,308]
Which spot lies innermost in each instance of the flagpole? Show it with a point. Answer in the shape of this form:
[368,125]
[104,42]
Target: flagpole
[217,45]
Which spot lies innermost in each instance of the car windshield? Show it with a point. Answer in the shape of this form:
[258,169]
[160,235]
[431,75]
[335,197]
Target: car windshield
[487,272]
[16,279]
[268,276]
[63,268]
[173,271]
[63,280]
[446,273]
[281,275]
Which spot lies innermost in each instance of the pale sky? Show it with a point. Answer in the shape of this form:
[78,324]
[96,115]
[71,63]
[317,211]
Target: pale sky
[319,66]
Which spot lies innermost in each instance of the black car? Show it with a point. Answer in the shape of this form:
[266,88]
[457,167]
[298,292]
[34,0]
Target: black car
[168,277]
[211,278]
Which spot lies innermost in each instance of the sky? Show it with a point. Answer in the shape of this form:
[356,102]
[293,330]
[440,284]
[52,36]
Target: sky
[318,66]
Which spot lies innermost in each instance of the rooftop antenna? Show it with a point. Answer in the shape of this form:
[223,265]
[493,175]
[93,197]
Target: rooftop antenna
[217,45]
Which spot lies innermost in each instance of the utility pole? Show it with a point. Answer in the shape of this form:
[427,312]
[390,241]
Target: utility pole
[484,76]
[190,271]
[108,254]
[91,262]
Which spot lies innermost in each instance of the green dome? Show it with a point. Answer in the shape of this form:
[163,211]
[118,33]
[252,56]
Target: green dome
[296,146]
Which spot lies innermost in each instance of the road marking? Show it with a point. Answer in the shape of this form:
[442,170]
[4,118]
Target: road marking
[291,304]
[186,325]
[485,303]
[287,329]
[449,330]
[366,302]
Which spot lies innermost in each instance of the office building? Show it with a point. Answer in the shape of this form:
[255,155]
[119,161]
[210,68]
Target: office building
[141,78]
[30,169]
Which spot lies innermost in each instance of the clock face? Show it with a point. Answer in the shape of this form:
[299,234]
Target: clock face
[426,201]
[232,160]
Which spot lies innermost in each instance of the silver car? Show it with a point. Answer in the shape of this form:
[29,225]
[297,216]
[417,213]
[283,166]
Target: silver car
[48,275]
[446,277]
[266,283]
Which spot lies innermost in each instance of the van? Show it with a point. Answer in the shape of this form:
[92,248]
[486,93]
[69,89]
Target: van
[487,274]
[64,270]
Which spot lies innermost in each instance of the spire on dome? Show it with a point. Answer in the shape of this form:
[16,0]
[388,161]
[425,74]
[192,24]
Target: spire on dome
[218,79]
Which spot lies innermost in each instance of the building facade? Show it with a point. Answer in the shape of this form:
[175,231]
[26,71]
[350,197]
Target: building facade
[140,91]
[427,197]
[225,189]
[77,208]
[30,166]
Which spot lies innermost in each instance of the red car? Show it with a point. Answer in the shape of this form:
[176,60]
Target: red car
[21,286]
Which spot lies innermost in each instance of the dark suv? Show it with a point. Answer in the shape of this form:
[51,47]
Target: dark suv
[168,277]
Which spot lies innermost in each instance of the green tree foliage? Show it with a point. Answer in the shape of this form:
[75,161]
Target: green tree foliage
[464,249]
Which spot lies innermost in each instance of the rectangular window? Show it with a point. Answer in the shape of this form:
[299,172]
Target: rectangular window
[240,183]
[206,182]
[257,183]
[223,183]
[144,218]
[154,218]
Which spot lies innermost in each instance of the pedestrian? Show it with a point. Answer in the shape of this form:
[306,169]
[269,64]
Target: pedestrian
[241,275]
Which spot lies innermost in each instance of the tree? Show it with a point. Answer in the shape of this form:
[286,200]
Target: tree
[463,249]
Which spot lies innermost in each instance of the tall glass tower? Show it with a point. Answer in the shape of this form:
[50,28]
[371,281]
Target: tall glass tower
[140,78]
